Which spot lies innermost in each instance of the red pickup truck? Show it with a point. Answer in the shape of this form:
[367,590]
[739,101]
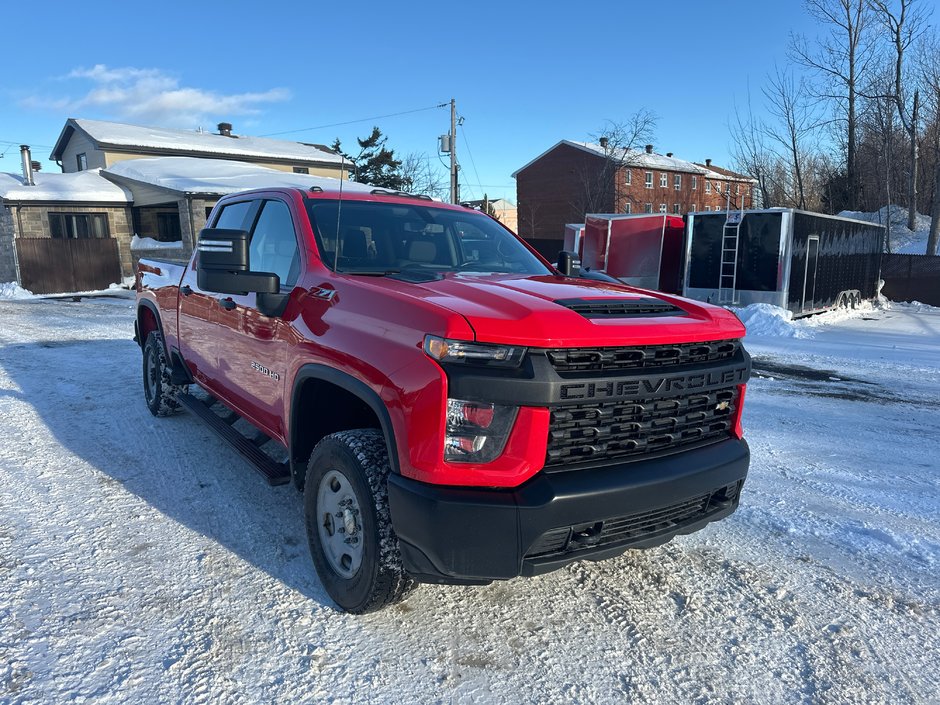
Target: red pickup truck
[454,408]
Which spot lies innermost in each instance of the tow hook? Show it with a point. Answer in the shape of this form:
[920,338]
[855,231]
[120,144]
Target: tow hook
[589,535]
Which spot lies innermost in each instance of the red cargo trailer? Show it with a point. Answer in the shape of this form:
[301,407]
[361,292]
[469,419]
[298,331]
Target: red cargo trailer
[640,250]
[574,238]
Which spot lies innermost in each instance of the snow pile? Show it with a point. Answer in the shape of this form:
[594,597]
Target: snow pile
[12,290]
[903,240]
[148,243]
[219,176]
[767,319]
[78,186]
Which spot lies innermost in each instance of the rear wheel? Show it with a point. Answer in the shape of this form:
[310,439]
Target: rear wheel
[159,393]
[352,542]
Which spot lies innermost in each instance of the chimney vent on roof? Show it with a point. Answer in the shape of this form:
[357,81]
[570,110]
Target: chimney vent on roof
[225,129]
[603,141]
[708,162]
[649,149]
[669,154]
[27,165]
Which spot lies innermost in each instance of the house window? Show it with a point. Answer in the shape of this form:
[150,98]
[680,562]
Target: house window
[648,208]
[694,184]
[708,208]
[628,209]
[737,189]
[663,180]
[78,225]
[678,181]
[649,179]
[82,161]
[708,187]
[301,170]
[717,187]
[662,207]
[168,227]
[693,208]
[628,177]
[675,208]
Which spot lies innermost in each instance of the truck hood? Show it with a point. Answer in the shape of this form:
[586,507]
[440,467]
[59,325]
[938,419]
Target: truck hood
[519,310]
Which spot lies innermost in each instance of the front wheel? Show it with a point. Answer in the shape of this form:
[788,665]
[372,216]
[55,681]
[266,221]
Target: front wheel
[349,528]
[159,393]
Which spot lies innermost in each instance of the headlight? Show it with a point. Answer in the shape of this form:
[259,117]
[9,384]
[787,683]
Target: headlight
[463,351]
[476,432]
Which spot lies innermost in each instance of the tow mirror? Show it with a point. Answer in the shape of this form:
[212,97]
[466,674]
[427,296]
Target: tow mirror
[223,265]
[568,263]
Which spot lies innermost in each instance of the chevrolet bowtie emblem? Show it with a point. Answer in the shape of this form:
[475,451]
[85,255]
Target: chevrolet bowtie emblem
[722,406]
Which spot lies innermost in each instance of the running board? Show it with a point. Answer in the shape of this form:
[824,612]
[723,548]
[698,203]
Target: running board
[275,473]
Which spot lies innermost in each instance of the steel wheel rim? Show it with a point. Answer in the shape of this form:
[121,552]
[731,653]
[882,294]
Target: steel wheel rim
[339,523]
[150,378]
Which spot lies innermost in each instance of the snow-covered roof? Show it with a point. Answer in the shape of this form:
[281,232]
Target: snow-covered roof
[217,176]
[718,173]
[630,157]
[129,137]
[83,186]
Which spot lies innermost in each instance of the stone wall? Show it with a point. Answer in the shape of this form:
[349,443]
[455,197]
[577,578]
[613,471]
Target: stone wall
[7,255]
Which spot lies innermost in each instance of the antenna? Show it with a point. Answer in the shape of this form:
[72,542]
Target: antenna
[339,212]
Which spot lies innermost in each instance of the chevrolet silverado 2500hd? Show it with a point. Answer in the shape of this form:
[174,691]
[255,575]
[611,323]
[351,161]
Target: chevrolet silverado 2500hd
[454,408]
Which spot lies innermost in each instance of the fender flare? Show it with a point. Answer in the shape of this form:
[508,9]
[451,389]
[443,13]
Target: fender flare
[357,388]
[152,307]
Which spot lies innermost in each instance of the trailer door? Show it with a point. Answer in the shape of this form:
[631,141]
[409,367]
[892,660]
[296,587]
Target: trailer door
[809,275]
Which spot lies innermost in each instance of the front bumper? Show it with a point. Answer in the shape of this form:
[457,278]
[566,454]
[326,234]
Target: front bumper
[475,535]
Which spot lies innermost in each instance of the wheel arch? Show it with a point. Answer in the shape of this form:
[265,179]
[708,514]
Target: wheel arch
[353,404]
[148,320]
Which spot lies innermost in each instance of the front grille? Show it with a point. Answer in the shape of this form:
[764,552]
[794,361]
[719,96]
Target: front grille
[620,358]
[620,308]
[628,429]
[634,527]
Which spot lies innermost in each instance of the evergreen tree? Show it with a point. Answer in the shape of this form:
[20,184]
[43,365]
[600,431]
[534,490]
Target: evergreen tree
[375,163]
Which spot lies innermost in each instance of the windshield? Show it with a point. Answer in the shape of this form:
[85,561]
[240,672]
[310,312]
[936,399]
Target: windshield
[381,238]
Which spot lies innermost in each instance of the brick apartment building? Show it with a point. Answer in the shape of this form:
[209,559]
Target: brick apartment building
[571,179]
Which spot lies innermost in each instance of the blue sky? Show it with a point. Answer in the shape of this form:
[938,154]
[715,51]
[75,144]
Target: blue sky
[524,75]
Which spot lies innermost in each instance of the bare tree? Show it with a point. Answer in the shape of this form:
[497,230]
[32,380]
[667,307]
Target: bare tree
[601,189]
[841,58]
[750,152]
[928,61]
[901,28]
[420,175]
[797,121]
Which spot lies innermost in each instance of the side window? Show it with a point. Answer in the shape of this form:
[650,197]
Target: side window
[273,245]
[233,217]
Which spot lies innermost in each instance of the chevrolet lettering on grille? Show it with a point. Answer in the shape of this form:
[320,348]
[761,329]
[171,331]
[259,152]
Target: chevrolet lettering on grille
[652,386]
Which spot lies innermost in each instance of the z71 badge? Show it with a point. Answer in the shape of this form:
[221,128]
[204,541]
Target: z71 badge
[258,367]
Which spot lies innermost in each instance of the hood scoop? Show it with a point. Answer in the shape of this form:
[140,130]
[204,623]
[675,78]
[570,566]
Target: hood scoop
[643,306]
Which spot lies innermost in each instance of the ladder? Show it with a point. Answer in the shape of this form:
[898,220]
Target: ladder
[728,278]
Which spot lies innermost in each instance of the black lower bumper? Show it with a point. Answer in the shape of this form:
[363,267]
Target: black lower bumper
[468,535]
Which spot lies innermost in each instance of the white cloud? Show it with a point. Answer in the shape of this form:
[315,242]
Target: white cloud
[152,97]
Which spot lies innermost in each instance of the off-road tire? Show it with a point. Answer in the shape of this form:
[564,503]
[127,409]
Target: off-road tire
[159,393]
[361,456]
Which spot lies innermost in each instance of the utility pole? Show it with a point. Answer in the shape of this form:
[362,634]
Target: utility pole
[454,186]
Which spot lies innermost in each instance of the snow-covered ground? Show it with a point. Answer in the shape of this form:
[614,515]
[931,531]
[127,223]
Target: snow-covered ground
[903,240]
[142,562]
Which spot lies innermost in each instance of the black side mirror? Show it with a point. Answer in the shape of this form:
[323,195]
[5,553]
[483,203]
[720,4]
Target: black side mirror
[568,263]
[223,265]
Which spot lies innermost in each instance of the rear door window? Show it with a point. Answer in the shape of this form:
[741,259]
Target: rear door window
[233,216]
[273,245]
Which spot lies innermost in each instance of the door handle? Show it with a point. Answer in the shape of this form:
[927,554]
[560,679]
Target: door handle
[186,290]
[227,304]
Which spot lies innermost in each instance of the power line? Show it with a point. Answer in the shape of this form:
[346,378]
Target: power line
[473,163]
[352,122]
